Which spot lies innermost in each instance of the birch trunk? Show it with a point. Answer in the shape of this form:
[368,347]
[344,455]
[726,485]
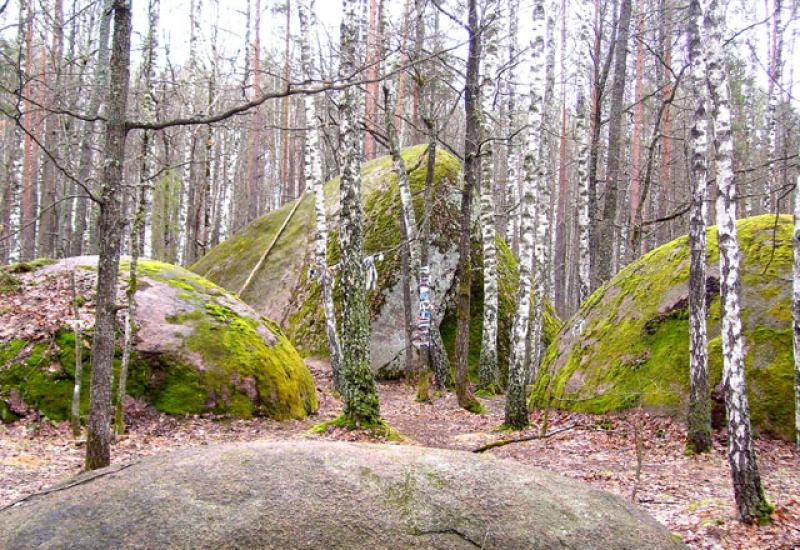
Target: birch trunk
[796,310]
[513,162]
[773,98]
[541,247]
[583,138]
[313,171]
[751,505]
[360,395]
[488,370]
[698,439]
[408,223]
[98,442]
[516,410]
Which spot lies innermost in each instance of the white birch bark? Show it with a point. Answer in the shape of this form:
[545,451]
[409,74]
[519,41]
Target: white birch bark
[774,88]
[516,411]
[796,310]
[583,137]
[360,396]
[513,191]
[313,170]
[699,417]
[541,247]
[751,505]
[488,370]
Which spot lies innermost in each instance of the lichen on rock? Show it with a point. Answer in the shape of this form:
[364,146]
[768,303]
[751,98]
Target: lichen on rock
[197,349]
[628,345]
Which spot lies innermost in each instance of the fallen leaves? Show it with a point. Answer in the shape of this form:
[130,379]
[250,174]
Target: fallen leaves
[691,495]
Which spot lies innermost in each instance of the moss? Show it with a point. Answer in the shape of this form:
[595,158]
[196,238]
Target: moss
[234,351]
[378,429]
[244,370]
[26,267]
[633,346]
[8,282]
[507,279]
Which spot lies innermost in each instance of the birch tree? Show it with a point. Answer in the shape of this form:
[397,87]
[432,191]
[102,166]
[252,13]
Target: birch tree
[488,370]
[582,173]
[313,171]
[360,396]
[796,309]
[751,505]
[699,417]
[516,410]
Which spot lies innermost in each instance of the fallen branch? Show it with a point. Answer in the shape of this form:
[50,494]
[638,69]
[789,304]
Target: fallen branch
[271,245]
[80,481]
[503,442]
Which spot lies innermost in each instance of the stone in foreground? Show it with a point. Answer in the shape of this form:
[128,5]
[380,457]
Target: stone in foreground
[328,495]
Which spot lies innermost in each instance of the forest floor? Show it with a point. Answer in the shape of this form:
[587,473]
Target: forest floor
[691,496]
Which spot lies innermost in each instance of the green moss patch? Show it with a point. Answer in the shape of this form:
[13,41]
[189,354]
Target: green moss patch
[222,359]
[628,344]
[507,279]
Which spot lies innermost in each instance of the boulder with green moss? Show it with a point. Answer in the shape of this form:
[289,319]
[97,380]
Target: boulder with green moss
[283,290]
[628,345]
[196,348]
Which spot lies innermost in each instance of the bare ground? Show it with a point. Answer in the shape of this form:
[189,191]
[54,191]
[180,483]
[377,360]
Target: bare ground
[692,496]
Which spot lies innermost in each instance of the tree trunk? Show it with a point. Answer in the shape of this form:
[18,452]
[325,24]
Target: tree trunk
[608,237]
[489,373]
[751,505]
[313,171]
[516,411]
[698,439]
[466,399]
[98,442]
[98,94]
[796,310]
[636,135]
[360,396]
[50,192]
[584,183]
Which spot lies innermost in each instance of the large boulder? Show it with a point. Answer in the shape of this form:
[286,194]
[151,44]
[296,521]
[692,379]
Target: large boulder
[283,290]
[628,345]
[327,495]
[197,348]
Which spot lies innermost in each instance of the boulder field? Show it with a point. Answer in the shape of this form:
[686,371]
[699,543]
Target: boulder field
[283,290]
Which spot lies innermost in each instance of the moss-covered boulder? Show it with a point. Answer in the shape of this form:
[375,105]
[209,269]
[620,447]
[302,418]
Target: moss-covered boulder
[309,495]
[283,290]
[628,345]
[197,348]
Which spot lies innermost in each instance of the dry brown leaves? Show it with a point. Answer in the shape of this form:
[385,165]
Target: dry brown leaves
[692,496]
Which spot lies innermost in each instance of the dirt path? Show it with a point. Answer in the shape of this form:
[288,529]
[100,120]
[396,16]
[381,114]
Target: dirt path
[692,496]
